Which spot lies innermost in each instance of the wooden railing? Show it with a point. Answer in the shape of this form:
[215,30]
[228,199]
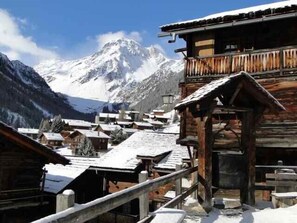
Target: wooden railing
[91,210]
[264,61]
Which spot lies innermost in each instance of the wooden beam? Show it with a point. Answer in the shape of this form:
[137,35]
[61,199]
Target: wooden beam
[204,131]
[248,142]
[235,94]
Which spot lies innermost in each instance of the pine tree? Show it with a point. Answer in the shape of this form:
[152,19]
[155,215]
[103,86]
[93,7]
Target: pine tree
[44,127]
[86,148]
[117,136]
[57,124]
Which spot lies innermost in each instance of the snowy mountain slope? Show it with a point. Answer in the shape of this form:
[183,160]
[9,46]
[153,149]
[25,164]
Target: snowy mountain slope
[25,97]
[119,66]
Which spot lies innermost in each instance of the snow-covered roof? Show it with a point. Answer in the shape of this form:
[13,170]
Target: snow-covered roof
[153,122]
[107,127]
[74,122]
[108,115]
[28,131]
[53,136]
[124,123]
[177,155]
[272,7]
[59,176]
[144,124]
[142,143]
[92,134]
[129,130]
[215,86]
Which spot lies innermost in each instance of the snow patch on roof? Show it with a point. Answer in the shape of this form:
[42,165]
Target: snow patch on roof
[124,156]
[53,136]
[274,5]
[59,176]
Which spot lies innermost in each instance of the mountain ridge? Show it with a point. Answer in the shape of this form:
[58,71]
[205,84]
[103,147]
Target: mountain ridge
[120,66]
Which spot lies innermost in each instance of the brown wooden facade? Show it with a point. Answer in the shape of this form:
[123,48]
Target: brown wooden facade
[262,43]
[53,143]
[77,137]
[21,172]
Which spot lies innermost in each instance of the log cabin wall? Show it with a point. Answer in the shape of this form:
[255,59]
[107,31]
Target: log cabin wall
[266,50]
[19,169]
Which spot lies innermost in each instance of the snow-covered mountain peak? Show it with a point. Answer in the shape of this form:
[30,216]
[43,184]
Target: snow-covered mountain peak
[120,64]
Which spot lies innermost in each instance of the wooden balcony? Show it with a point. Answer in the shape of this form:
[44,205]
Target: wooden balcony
[280,60]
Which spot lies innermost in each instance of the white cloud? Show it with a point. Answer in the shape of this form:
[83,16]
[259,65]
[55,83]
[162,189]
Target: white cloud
[107,37]
[16,44]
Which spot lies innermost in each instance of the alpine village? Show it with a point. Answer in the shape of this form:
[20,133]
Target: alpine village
[210,137]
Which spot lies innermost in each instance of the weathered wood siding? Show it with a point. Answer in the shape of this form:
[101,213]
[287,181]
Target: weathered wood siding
[19,169]
[276,131]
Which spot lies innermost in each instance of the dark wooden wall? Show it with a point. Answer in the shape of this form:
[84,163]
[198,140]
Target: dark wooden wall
[19,168]
[279,132]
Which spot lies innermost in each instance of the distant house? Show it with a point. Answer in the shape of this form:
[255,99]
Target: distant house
[142,125]
[71,124]
[157,153]
[130,131]
[161,118]
[158,112]
[107,128]
[156,124]
[51,139]
[21,163]
[32,133]
[98,139]
[107,117]
[124,124]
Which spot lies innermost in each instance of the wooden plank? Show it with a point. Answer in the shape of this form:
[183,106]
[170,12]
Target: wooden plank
[281,176]
[281,183]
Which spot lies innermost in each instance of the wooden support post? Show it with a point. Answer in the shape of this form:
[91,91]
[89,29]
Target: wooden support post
[178,185]
[205,138]
[144,198]
[195,178]
[248,142]
[65,200]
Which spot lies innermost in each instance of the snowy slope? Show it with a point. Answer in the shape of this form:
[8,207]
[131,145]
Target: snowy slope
[120,65]
[25,98]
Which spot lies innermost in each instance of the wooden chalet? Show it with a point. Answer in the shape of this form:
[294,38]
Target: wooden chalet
[21,173]
[154,152]
[71,124]
[142,125]
[51,139]
[32,133]
[234,99]
[107,128]
[98,139]
[158,112]
[156,124]
[261,41]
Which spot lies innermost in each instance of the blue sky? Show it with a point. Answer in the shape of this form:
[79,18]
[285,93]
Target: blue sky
[35,30]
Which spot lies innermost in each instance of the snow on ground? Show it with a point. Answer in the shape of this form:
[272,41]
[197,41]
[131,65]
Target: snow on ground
[172,128]
[268,215]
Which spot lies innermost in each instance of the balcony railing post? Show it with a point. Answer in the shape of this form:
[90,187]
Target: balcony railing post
[144,198]
[281,62]
[230,63]
[178,185]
